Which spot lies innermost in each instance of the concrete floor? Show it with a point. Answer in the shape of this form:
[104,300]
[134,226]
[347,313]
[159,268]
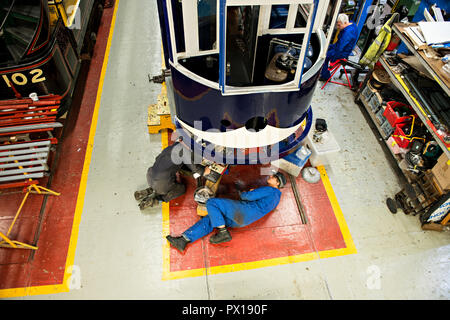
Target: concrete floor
[119,250]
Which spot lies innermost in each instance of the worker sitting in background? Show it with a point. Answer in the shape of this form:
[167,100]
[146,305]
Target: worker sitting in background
[223,213]
[347,38]
[162,176]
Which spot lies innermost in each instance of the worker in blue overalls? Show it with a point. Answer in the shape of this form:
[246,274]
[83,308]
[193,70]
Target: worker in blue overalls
[223,213]
[347,38]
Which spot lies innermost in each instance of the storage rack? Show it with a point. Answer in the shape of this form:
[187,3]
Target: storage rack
[434,69]
[397,80]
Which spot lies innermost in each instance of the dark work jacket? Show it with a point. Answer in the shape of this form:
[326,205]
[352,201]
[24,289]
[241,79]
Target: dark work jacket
[164,169]
[344,45]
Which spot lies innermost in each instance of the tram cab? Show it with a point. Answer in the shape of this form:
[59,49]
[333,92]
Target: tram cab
[243,73]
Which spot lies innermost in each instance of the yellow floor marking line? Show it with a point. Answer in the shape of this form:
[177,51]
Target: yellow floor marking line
[350,246]
[64,287]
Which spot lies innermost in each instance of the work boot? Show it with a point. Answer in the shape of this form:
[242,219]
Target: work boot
[139,195]
[178,242]
[222,235]
[148,201]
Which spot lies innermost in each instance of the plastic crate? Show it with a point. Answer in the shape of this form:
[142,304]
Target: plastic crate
[391,115]
[368,92]
[399,135]
[380,118]
[376,102]
[387,128]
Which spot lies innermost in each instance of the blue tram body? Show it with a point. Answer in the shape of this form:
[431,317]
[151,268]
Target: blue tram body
[243,73]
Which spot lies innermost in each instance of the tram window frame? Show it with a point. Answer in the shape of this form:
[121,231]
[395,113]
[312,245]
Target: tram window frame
[323,21]
[12,41]
[190,15]
[263,29]
[190,40]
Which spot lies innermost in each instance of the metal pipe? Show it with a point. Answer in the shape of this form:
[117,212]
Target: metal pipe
[297,199]
[31,127]
[24,145]
[22,177]
[25,157]
[22,164]
[18,171]
[26,151]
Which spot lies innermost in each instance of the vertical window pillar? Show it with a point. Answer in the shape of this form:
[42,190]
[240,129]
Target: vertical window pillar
[305,44]
[190,22]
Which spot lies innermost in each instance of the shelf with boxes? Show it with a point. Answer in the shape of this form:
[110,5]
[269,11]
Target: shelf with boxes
[417,141]
[394,119]
[440,135]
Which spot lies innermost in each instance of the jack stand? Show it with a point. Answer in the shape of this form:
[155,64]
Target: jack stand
[160,78]
[14,244]
[212,186]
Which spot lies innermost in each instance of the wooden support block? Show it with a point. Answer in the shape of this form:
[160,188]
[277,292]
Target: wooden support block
[153,118]
[433,226]
[163,105]
[156,122]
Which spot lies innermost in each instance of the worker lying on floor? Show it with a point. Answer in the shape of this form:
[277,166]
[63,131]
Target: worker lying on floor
[162,176]
[223,213]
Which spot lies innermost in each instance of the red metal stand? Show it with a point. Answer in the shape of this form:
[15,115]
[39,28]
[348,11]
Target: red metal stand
[23,123]
[333,68]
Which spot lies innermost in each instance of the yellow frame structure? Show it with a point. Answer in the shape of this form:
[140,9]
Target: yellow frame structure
[14,244]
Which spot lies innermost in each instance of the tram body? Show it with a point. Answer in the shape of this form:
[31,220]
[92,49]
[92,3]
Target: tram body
[243,73]
[42,44]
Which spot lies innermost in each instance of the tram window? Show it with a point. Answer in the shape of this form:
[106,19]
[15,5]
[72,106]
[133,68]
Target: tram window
[302,16]
[207,24]
[242,28]
[18,25]
[328,20]
[177,10]
[278,16]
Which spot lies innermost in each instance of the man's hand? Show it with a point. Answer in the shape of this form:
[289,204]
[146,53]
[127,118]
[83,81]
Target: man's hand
[207,171]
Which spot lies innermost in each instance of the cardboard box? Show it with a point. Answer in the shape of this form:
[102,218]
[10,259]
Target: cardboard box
[441,171]
[294,162]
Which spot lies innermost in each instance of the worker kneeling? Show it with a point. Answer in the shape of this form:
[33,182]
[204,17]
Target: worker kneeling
[164,184]
[223,213]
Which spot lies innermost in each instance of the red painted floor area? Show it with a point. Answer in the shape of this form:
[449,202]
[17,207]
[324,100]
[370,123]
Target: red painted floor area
[46,266]
[279,234]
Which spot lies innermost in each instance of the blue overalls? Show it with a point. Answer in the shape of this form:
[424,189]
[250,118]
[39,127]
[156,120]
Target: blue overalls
[342,48]
[235,213]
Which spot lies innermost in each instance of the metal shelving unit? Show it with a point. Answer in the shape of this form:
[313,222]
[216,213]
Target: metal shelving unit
[400,84]
[432,66]
[396,157]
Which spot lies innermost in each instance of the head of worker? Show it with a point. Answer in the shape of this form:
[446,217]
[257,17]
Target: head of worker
[342,21]
[277,180]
